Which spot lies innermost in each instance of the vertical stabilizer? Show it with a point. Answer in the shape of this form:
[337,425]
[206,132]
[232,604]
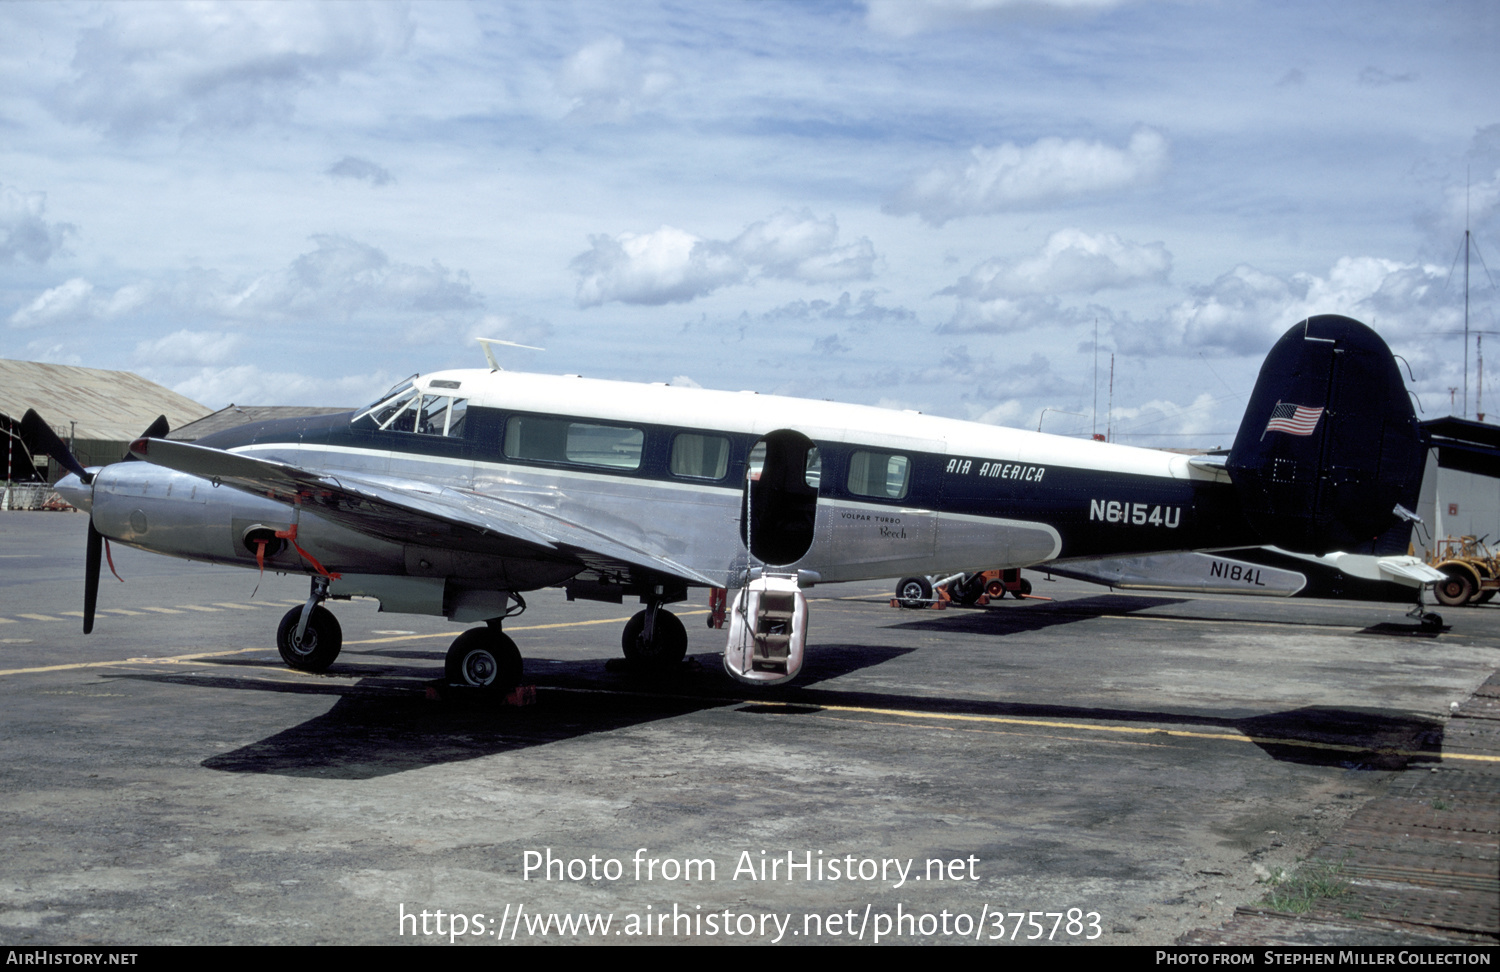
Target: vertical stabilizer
[1329,445]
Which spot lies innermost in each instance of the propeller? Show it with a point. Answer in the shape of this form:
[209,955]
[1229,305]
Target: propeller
[39,437]
[91,575]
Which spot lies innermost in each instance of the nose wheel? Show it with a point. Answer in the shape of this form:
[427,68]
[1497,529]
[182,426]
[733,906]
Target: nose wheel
[654,643]
[484,659]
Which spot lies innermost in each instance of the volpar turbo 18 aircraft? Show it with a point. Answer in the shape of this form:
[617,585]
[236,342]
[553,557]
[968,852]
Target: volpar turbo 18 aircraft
[456,492]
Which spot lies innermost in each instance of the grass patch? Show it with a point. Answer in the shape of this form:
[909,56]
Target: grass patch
[1298,893]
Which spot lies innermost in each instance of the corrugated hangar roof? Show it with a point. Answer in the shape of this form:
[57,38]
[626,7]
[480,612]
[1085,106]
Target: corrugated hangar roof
[234,416]
[107,405]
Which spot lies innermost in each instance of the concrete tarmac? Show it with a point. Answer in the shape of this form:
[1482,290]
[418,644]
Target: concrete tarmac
[1100,767]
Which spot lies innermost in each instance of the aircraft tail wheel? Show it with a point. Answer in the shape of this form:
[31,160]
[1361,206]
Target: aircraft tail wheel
[484,659]
[667,650]
[914,592]
[320,643]
[1431,620]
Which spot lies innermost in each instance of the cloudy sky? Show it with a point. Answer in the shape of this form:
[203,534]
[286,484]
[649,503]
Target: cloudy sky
[925,205]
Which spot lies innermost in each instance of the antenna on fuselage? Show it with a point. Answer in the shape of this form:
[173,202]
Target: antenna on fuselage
[489,355]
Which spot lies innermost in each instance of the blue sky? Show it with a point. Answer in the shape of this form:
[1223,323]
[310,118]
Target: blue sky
[920,205]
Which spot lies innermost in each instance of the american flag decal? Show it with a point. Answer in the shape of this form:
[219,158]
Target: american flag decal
[1296,419]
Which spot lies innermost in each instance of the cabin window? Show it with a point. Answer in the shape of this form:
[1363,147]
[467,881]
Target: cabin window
[560,440]
[881,474]
[700,456]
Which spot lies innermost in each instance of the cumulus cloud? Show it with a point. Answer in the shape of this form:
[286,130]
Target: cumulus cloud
[191,348]
[217,65]
[902,18]
[339,279]
[672,265]
[859,314]
[250,384]
[1001,315]
[1071,261]
[1245,310]
[24,231]
[606,82]
[1011,176]
[1163,418]
[350,167]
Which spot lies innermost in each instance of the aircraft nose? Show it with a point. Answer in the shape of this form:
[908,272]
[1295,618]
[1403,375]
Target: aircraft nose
[75,492]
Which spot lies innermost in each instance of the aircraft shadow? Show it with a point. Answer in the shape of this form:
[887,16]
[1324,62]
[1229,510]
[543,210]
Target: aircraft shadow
[382,724]
[1035,617]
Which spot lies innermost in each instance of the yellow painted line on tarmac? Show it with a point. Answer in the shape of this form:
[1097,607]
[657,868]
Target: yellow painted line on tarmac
[133,614]
[169,660]
[7,620]
[195,607]
[1133,731]
[38,617]
[162,610]
[238,607]
[814,708]
[179,659]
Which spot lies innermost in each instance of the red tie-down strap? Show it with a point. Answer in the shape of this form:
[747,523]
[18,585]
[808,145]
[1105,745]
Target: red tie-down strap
[290,535]
[111,558]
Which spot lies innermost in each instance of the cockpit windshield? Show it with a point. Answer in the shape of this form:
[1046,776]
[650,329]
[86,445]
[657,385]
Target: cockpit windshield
[405,409]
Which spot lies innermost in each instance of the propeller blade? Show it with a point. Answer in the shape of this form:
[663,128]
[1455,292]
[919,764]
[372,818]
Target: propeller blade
[156,430]
[39,437]
[91,576]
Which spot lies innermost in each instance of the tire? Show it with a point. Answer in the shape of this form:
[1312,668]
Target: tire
[484,659]
[1455,589]
[1020,592]
[320,642]
[667,650]
[914,592]
[968,591]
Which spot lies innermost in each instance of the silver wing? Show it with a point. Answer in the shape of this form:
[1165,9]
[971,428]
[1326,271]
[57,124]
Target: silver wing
[412,511]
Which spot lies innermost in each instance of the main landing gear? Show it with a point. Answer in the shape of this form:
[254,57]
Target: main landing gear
[309,637]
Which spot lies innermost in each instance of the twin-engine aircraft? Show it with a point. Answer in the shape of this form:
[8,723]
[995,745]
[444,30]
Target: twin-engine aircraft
[456,492]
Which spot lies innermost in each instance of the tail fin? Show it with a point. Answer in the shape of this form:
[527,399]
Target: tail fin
[1329,444]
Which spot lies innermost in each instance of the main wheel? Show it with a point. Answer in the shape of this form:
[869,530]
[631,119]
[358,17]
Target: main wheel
[484,658]
[666,650]
[914,592]
[1455,589]
[320,642]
